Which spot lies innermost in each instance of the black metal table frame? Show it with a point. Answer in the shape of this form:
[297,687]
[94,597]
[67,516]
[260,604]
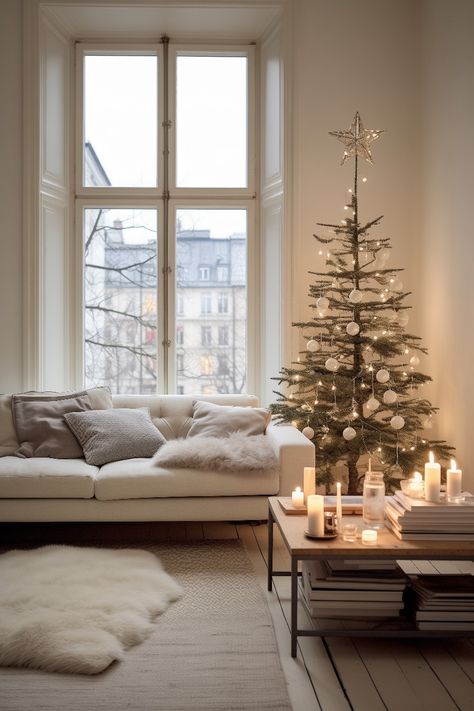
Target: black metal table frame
[333,632]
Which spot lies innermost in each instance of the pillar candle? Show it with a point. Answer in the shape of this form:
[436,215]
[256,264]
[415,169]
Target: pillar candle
[316,515]
[453,482]
[432,480]
[309,482]
[339,505]
[297,498]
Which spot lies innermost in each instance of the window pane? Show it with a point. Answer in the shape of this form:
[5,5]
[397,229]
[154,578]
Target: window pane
[120,121]
[211,322]
[120,298]
[211,114]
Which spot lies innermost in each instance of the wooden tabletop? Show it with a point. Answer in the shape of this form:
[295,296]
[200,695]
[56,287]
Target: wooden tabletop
[388,545]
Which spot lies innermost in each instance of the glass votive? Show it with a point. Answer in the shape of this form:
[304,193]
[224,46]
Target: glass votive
[369,537]
[349,532]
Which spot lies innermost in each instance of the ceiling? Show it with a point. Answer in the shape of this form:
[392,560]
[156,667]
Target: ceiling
[212,19]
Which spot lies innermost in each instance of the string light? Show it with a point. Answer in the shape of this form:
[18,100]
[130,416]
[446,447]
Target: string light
[364,180]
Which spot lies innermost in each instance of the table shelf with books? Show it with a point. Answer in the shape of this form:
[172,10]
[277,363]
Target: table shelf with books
[388,548]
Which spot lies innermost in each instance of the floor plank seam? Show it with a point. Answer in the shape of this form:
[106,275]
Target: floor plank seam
[433,670]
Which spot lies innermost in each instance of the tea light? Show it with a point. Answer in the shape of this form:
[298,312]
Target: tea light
[432,480]
[297,498]
[454,483]
[315,504]
[413,487]
[309,482]
[349,532]
[369,537]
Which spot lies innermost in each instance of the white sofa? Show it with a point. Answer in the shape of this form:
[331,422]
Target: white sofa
[45,489]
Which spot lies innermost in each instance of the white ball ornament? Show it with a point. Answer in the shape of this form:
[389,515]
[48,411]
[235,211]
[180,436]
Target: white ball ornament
[321,313]
[322,303]
[332,365]
[397,422]
[414,361]
[349,433]
[397,285]
[382,375]
[390,397]
[312,346]
[403,318]
[372,404]
[355,297]
[308,432]
[352,328]
[393,317]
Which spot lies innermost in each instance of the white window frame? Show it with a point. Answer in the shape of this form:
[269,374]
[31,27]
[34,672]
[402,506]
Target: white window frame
[136,197]
[217,51]
[82,49]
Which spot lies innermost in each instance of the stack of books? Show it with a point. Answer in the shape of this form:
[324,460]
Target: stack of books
[442,602]
[418,520]
[353,588]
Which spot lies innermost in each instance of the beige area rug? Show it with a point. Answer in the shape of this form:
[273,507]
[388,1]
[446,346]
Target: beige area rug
[212,650]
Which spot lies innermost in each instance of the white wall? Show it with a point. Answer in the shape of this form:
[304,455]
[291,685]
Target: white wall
[355,56]
[447,246]
[10,196]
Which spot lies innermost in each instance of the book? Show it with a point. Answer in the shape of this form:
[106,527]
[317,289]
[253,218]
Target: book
[451,525]
[350,505]
[450,626]
[421,506]
[356,596]
[320,577]
[430,536]
[445,616]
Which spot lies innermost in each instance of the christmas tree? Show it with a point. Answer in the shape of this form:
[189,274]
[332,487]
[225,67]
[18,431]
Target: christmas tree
[354,390]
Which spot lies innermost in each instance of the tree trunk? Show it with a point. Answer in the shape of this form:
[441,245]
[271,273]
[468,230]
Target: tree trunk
[353,481]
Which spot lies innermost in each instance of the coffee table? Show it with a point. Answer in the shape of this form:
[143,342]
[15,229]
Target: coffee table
[388,547]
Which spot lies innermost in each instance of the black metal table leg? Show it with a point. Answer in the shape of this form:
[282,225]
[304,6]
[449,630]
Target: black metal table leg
[294,604]
[270,550]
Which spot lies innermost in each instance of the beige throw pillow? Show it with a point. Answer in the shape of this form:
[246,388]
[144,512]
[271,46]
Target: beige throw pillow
[210,420]
[111,435]
[40,426]
[100,399]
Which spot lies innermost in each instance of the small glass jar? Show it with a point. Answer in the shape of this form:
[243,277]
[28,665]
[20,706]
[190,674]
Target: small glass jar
[373,511]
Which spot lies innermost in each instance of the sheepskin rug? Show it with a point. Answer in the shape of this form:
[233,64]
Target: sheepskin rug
[237,452]
[69,609]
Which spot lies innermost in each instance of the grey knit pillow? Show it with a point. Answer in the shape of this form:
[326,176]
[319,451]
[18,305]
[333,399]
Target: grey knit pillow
[120,433]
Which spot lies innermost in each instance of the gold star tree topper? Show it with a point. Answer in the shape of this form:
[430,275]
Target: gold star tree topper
[357,140]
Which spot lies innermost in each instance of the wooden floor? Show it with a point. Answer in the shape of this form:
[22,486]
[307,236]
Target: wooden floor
[330,674]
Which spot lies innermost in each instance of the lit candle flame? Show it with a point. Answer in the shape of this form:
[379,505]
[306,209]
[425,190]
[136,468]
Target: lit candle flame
[432,458]
[453,464]
[298,489]
[417,476]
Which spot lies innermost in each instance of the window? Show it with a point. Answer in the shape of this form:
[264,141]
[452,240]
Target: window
[223,303]
[223,337]
[157,226]
[222,273]
[222,365]
[206,336]
[206,303]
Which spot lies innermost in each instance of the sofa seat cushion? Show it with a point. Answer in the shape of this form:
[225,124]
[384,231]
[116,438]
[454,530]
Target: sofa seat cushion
[140,479]
[46,478]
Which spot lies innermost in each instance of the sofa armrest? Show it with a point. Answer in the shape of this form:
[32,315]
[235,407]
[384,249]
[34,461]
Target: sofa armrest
[294,452]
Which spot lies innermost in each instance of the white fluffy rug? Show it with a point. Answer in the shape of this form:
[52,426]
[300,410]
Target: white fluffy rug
[237,452]
[73,609]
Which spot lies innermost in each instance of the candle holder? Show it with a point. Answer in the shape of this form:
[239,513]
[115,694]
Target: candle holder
[413,488]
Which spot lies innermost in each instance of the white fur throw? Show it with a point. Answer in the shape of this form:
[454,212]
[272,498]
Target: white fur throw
[68,609]
[237,452]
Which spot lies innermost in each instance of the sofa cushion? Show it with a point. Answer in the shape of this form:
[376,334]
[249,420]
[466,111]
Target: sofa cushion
[140,479]
[40,426]
[211,420]
[46,478]
[110,435]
